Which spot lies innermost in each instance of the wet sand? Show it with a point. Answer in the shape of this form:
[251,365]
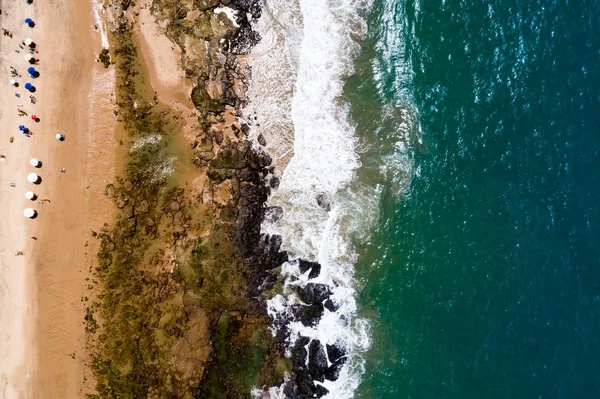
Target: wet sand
[42,350]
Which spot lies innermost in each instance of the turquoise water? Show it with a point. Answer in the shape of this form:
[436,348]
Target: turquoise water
[481,278]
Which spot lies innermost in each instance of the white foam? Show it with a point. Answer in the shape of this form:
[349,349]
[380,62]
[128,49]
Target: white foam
[310,43]
[98,9]
[229,12]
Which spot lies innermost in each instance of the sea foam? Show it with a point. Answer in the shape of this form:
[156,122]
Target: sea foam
[309,132]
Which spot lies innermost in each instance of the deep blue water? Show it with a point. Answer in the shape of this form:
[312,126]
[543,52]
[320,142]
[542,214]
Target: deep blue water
[482,280]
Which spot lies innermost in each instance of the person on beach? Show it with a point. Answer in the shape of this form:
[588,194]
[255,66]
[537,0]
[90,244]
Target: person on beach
[32,98]
[2,156]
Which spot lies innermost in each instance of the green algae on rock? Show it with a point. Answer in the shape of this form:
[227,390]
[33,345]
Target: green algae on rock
[180,274]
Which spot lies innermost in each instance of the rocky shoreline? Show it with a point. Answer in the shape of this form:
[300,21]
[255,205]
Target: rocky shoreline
[184,273]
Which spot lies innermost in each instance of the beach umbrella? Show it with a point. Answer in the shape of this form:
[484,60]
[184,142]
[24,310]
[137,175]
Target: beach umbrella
[13,82]
[28,41]
[34,117]
[22,128]
[28,57]
[28,20]
[60,137]
[31,71]
[34,162]
[32,178]
[29,213]
[29,195]
[28,86]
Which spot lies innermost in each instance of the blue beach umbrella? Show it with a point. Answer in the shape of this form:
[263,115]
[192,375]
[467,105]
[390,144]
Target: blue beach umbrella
[22,128]
[31,70]
[28,21]
[28,86]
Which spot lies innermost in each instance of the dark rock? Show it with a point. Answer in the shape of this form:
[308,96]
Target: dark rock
[258,159]
[219,137]
[309,315]
[305,385]
[317,361]
[248,175]
[273,214]
[245,128]
[313,293]
[320,391]
[288,391]
[274,182]
[324,201]
[334,353]
[261,140]
[330,305]
[333,372]
[299,352]
[315,268]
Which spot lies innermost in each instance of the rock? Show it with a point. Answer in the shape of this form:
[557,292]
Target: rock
[128,211]
[317,361]
[219,137]
[175,206]
[332,373]
[304,266]
[109,190]
[229,157]
[324,201]
[273,214]
[334,353]
[128,185]
[205,155]
[274,182]
[248,175]
[261,140]
[205,144]
[259,159]
[142,207]
[309,315]
[330,305]
[321,391]
[313,293]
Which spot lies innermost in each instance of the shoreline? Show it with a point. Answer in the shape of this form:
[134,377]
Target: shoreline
[55,262]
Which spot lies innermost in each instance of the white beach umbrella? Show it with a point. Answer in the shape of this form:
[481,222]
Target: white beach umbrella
[29,213]
[32,178]
[60,136]
[28,41]
[13,82]
[29,195]
[28,57]
[34,162]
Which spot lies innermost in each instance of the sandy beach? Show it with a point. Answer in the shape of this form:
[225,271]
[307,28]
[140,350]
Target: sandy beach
[42,338]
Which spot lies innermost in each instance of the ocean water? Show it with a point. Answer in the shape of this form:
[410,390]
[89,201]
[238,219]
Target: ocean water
[457,144]
[481,276]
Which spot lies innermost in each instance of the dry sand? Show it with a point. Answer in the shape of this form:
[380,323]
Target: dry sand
[42,340]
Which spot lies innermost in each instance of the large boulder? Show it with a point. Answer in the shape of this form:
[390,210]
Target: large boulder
[313,293]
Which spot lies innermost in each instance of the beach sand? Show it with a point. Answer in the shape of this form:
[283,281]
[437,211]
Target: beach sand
[42,338]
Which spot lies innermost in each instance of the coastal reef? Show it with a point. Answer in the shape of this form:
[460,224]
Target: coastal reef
[178,308]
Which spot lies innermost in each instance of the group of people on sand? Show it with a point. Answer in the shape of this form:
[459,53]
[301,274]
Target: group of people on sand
[31,49]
